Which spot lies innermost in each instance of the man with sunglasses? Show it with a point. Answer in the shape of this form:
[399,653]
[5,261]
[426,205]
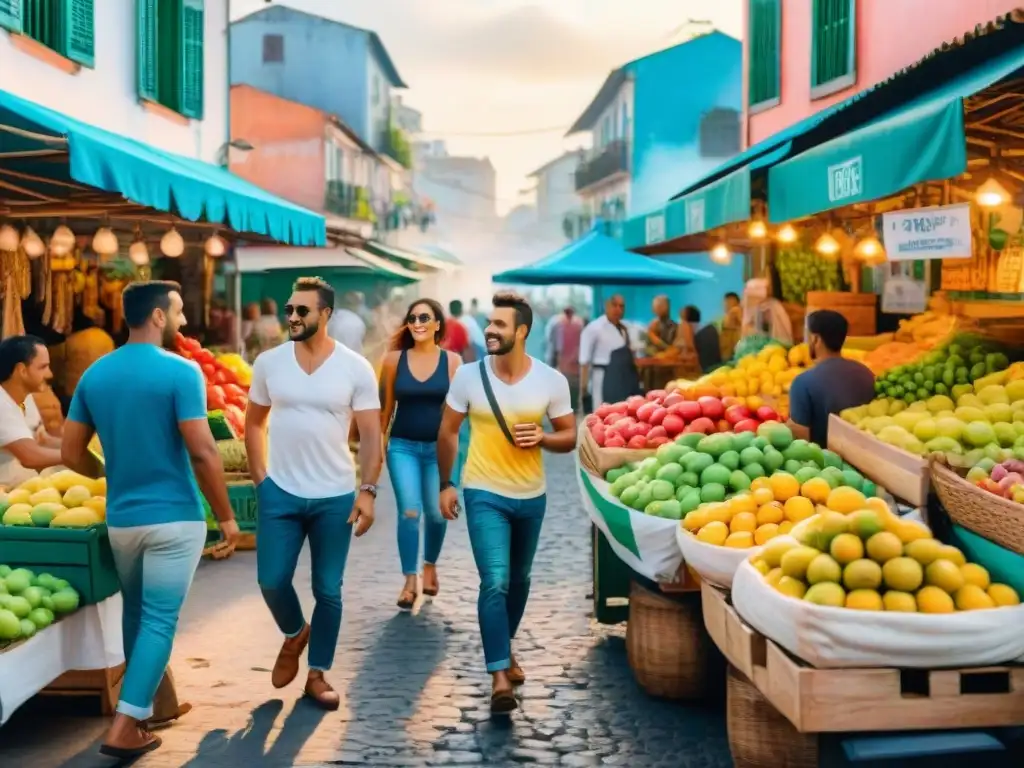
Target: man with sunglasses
[308,390]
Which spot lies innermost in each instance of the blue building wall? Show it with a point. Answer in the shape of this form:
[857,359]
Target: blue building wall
[326,64]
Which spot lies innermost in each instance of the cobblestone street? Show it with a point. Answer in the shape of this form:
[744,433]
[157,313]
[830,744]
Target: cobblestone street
[414,692]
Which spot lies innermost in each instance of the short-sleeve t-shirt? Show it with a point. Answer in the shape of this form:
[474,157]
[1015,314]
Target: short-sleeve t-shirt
[829,387]
[493,464]
[310,416]
[16,425]
[456,337]
[135,398]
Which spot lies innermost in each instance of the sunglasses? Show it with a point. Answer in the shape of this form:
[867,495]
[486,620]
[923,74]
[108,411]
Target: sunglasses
[300,310]
[422,319]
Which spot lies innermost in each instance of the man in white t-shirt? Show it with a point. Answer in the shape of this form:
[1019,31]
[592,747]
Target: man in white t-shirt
[24,447]
[504,475]
[605,352]
[347,326]
[310,389]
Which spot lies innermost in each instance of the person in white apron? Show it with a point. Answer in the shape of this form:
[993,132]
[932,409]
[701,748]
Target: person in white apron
[606,357]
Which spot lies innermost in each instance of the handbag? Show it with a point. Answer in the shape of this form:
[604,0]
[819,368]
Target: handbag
[493,402]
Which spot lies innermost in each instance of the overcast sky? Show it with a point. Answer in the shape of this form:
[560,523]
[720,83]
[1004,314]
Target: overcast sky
[507,66]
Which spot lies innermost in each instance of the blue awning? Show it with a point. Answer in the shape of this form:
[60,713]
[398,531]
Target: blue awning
[183,186]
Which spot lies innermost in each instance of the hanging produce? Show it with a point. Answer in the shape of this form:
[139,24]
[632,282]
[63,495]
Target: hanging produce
[15,285]
[801,270]
[116,274]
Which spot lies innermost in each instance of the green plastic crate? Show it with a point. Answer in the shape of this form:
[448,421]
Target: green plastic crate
[81,556]
[243,502]
[611,585]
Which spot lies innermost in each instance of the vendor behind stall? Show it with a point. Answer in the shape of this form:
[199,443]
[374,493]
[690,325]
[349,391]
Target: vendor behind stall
[25,447]
[607,364]
[832,385]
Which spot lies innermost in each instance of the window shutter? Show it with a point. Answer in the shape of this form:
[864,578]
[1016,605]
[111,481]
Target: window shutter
[832,47]
[192,33]
[763,65]
[146,48]
[78,28]
[10,15]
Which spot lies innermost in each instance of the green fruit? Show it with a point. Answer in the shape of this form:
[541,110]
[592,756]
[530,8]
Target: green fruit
[979,433]
[646,497]
[739,481]
[712,492]
[65,601]
[751,455]
[41,618]
[779,435]
[671,510]
[690,502]
[716,473]
[27,628]
[690,440]
[773,460]
[688,478]
[33,595]
[730,459]
[19,606]
[792,466]
[629,496]
[832,459]
[669,472]
[661,490]
[804,474]
[18,581]
[697,462]
[683,491]
[742,440]
[833,476]
[754,471]
[670,453]
[10,625]
[852,478]
[715,445]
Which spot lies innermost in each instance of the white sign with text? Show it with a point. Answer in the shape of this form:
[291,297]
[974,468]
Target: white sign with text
[942,232]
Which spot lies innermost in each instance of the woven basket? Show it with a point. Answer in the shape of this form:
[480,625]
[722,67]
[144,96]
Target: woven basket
[997,519]
[759,736]
[667,645]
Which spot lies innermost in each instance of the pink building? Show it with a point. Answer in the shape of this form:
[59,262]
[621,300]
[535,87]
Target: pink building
[801,56]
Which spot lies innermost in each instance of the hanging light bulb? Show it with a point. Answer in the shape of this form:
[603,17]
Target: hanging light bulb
[757,230]
[869,249]
[827,245]
[138,253]
[104,242]
[215,246]
[992,194]
[172,244]
[787,234]
[720,254]
[10,240]
[62,241]
[32,244]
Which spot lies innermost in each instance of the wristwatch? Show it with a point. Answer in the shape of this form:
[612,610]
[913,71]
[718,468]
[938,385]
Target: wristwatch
[447,484]
[369,488]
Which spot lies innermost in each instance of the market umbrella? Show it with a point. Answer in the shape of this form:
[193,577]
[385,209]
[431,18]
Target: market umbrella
[598,259]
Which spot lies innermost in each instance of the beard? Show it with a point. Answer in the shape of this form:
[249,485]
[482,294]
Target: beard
[303,332]
[505,345]
[168,338]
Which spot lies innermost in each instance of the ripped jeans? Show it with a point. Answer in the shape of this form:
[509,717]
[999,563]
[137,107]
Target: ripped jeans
[412,466]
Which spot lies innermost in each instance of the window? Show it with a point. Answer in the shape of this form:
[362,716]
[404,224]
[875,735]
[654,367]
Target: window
[720,133]
[170,54]
[833,49]
[65,26]
[625,122]
[273,49]
[763,83]
[376,90]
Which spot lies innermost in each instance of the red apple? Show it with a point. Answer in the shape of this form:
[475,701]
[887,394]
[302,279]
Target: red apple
[658,416]
[614,441]
[690,410]
[637,441]
[633,403]
[737,413]
[673,424]
[767,413]
[656,395]
[747,425]
[641,428]
[645,411]
[657,432]
[654,442]
[711,407]
[672,398]
[703,425]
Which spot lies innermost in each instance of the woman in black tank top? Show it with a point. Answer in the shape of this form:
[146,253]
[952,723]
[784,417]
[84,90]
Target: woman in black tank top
[414,384]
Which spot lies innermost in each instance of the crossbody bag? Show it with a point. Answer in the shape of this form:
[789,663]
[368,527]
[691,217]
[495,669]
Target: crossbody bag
[493,402]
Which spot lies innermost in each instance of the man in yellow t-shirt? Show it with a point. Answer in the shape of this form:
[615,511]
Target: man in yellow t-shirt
[506,396]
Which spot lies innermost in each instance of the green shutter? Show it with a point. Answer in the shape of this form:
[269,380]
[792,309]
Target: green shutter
[763,64]
[78,31]
[832,49]
[192,33]
[10,15]
[146,49]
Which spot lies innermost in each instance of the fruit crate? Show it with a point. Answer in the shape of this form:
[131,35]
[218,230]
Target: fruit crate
[862,700]
[242,496]
[902,474]
[81,556]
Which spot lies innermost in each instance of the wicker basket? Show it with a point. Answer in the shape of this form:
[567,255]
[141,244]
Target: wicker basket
[667,645]
[997,519]
[759,736]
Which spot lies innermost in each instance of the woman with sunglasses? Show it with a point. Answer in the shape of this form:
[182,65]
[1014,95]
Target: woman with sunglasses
[414,380]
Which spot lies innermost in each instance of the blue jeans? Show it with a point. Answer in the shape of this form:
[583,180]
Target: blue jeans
[283,524]
[503,533]
[155,564]
[412,466]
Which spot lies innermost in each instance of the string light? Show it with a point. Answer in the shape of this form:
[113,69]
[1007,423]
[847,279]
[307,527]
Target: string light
[787,234]
[758,230]
[827,245]
[992,194]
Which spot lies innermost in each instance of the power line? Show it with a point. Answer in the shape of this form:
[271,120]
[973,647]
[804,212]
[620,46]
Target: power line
[490,134]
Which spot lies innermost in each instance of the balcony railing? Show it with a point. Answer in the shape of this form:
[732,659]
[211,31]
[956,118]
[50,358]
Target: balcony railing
[602,164]
[348,200]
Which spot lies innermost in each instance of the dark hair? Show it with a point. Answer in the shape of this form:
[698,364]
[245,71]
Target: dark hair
[513,300]
[455,308]
[324,291]
[691,314]
[15,350]
[830,326]
[402,338]
[143,298]
[732,295]
[268,306]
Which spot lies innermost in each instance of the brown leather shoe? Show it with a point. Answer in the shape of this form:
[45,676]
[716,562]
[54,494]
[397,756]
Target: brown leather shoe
[320,691]
[515,673]
[286,668]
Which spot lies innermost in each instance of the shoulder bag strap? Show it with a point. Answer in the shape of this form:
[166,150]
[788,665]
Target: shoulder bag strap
[493,402]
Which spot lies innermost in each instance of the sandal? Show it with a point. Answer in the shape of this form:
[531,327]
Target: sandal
[503,702]
[163,722]
[407,599]
[320,691]
[130,753]
[432,590]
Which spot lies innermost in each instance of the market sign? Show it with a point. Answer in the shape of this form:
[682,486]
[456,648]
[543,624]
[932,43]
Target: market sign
[655,228]
[845,180]
[940,232]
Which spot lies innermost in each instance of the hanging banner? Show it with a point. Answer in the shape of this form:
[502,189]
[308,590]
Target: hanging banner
[942,232]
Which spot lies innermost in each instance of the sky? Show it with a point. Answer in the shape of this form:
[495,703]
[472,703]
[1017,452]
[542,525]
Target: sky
[514,67]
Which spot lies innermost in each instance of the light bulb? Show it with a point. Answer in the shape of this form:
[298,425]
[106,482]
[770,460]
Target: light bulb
[869,248]
[720,254]
[32,244]
[787,234]
[992,194]
[62,241]
[827,245]
[757,230]
[138,253]
[215,246]
[172,244]
[9,238]
[104,242]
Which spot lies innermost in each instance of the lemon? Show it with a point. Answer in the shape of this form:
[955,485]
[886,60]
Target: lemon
[934,600]
[845,548]
[718,512]
[1003,595]
[903,602]
[826,593]
[971,597]
[792,587]
[925,551]
[695,520]
[976,575]
[910,530]
[775,549]
[865,523]
[945,575]
[742,502]
[883,547]
[864,600]
[845,499]
[785,527]
[772,512]
[740,540]
[715,532]
[862,574]
[760,566]
[784,486]
[765,533]
[743,521]
[796,561]
[952,554]
[773,577]
[816,489]
[903,574]
[823,568]
[798,508]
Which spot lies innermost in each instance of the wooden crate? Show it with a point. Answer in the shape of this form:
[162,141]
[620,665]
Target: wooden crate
[902,474]
[860,700]
[105,683]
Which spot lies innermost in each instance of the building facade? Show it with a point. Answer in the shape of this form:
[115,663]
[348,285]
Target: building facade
[557,204]
[99,62]
[801,56]
[461,191]
[334,67]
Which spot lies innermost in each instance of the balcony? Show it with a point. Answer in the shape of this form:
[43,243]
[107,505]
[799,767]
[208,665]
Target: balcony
[349,201]
[603,164]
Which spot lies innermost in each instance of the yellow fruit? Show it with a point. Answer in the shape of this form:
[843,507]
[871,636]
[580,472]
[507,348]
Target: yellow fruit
[865,523]
[761,483]
[845,500]
[715,532]
[775,549]
[862,574]
[78,517]
[823,568]
[772,512]
[20,496]
[909,530]
[719,512]
[952,554]
[798,508]
[773,577]
[864,600]
[45,496]
[846,548]
[1003,595]
[695,520]
[99,486]
[765,533]
[826,593]
[784,486]
[816,489]
[976,575]
[796,561]
[899,601]
[945,575]
[762,494]
[791,587]
[785,527]
[971,597]
[760,566]
[883,547]
[925,551]
[97,504]
[934,600]
[76,494]
[740,540]
[742,502]
[34,484]
[903,574]
[875,504]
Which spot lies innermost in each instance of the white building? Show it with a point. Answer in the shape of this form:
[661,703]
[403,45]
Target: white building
[104,73]
[558,203]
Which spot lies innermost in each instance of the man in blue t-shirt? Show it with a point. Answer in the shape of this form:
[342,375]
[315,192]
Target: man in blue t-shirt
[833,384]
[148,407]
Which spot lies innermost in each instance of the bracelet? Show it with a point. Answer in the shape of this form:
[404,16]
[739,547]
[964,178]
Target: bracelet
[447,484]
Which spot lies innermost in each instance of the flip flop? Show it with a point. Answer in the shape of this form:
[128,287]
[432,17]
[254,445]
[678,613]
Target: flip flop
[503,702]
[406,599]
[130,753]
[163,722]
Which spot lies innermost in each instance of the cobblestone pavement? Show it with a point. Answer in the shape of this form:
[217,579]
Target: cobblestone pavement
[414,692]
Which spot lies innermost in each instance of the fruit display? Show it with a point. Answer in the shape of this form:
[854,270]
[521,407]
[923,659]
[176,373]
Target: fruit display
[225,387]
[64,499]
[946,370]
[1005,479]
[742,469]
[237,365]
[233,455]
[769,372]
[927,329]
[30,602]
[867,558]
[660,417]
[801,270]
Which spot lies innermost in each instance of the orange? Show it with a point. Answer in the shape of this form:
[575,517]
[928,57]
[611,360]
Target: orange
[845,499]
[784,527]
[743,522]
[762,494]
[759,483]
[798,508]
[785,486]
[719,511]
[877,505]
[765,532]
[742,502]
[816,489]
[772,512]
